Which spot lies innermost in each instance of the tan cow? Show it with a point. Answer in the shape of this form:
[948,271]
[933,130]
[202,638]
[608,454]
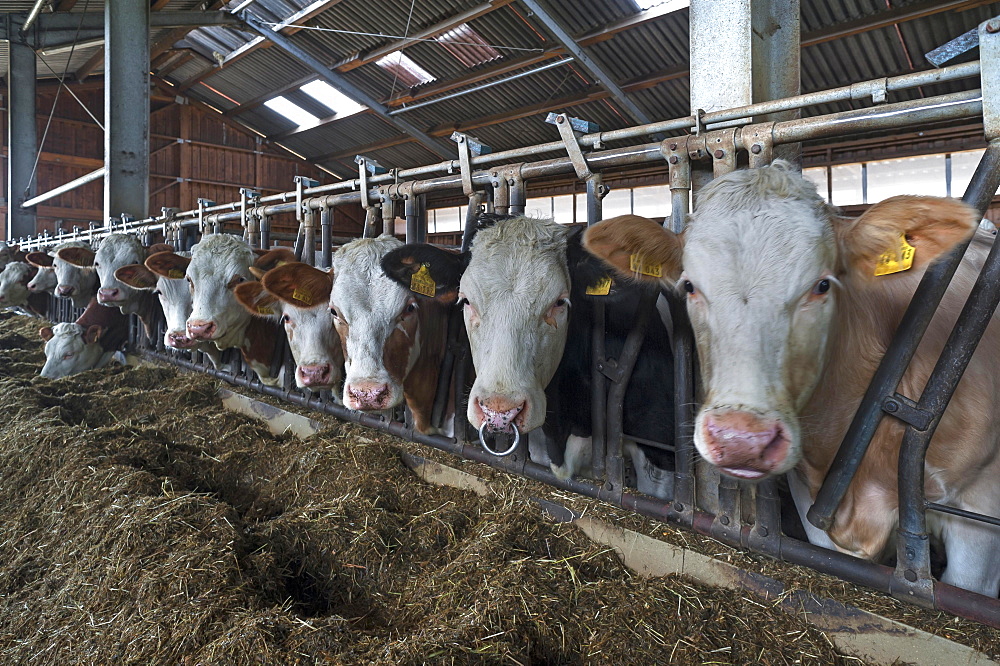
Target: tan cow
[791,321]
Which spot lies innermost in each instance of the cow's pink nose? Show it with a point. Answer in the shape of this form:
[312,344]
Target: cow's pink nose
[107,295]
[745,445]
[200,329]
[368,396]
[64,290]
[179,341]
[315,375]
[499,412]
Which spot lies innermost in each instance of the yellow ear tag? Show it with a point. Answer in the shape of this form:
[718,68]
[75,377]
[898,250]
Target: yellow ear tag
[600,288]
[421,282]
[264,310]
[896,260]
[636,263]
[302,295]
[175,274]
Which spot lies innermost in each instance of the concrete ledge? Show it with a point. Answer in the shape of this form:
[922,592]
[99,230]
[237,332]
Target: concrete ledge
[278,420]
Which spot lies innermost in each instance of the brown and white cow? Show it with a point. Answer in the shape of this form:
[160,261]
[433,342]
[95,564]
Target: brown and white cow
[9,253]
[117,250]
[791,322]
[78,283]
[15,281]
[217,264]
[89,342]
[298,296]
[393,344]
[44,281]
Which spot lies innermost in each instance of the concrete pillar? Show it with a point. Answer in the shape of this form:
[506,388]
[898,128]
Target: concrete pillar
[126,108]
[22,131]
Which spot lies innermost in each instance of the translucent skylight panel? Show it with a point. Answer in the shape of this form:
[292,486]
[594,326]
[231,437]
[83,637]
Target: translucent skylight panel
[339,104]
[467,45]
[292,111]
[402,67]
[666,6]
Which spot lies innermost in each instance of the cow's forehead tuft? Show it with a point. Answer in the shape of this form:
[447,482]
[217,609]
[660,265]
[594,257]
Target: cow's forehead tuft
[223,246]
[116,243]
[365,252]
[16,270]
[67,330]
[536,234]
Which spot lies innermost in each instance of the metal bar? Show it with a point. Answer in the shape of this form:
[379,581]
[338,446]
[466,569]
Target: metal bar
[33,14]
[96,174]
[955,511]
[23,136]
[326,238]
[985,182]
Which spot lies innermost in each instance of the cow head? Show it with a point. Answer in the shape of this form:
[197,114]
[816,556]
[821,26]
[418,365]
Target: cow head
[174,296]
[44,281]
[762,265]
[516,288]
[14,281]
[69,349]
[74,279]
[299,296]
[8,253]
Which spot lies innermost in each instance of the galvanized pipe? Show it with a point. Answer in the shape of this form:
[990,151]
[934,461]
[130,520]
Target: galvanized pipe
[32,15]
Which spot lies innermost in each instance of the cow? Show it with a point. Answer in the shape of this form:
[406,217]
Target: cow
[175,301]
[15,280]
[73,282]
[117,250]
[527,289]
[792,308]
[89,342]
[44,281]
[217,264]
[8,253]
[298,296]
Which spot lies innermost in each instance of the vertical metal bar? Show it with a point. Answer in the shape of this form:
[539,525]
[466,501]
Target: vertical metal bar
[518,197]
[416,218]
[326,236]
[471,217]
[265,232]
[22,134]
[501,193]
[599,385]
[309,237]
[388,212]
[126,108]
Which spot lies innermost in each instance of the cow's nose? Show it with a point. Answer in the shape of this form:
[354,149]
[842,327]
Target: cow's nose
[200,329]
[499,412]
[178,340]
[107,295]
[315,375]
[64,290]
[745,445]
[368,396]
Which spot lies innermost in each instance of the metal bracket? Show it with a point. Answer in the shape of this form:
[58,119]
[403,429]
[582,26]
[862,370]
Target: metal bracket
[954,48]
[911,581]
[249,198]
[302,183]
[907,411]
[467,147]
[569,128]
[367,165]
[722,146]
[876,89]
[989,72]
[609,368]
[202,205]
[759,142]
[698,117]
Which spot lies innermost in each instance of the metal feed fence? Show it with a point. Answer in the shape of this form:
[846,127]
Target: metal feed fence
[745,515]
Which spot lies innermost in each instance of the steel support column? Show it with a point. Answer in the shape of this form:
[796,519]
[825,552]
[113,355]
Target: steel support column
[21,74]
[126,109]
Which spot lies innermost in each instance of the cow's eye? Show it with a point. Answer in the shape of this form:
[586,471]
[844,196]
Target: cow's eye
[822,286]
[561,302]
[463,301]
[97,265]
[69,355]
[333,311]
[285,319]
[688,286]
[157,292]
[410,308]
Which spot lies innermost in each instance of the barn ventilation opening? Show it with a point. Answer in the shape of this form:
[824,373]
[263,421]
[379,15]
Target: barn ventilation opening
[402,67]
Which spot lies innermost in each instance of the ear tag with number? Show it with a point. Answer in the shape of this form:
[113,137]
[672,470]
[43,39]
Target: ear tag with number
[264,310]
[636,263]
[175,274]
[302,295]
[600,288]
[896,260]
[421,282]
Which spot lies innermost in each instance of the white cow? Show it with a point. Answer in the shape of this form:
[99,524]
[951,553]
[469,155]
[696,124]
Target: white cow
[14,292]
[792,308]
[73,282]
[89,342]
[44,281]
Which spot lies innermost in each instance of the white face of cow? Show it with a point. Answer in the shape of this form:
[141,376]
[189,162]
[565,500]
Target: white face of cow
[117,250]
[515,292]
[70,349]
[76,282]
[44,281]
[377,323]
[13,283]
[175,299]
[314,344]
[218,263]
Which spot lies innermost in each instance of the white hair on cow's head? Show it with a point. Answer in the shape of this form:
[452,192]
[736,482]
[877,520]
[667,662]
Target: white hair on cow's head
[76,282]
[13,283]
[218,263]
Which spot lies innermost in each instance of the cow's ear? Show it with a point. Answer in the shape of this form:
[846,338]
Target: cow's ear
[136,276]
[637,247]
[92,334]
[266,260]
[299,284]
[39,259]
[159,247]
[14,248]
[46,333]
[78,256]
[168,264]
[256,300]
[427,270]
[903,232]
[30,275]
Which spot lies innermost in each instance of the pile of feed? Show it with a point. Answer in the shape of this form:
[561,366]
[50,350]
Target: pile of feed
[142,523]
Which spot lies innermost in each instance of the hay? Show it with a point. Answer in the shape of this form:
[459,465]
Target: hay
[141,523]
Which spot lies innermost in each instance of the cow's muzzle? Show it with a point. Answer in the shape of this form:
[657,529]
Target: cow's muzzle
[201,330]
[64,290]
[179,341]
[108,295]
[319,375]
[745,445]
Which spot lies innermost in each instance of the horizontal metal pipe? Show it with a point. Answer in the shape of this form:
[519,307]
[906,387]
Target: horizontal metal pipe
[96,174]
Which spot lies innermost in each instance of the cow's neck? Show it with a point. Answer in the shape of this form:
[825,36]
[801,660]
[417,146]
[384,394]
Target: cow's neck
[259,346]
[420,383]
[147,307]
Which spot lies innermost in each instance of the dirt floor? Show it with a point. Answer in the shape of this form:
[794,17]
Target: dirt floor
[141,523]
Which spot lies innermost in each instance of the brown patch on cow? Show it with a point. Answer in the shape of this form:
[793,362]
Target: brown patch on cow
[39,259]
[930,224]
[299,284]
[168,264]
[156,248]
[420,385]
[255,299]
[38,303]
[30,275]
[78,256]
[136,276]
[618,240]
[261,342]
[112,325]
[273,258]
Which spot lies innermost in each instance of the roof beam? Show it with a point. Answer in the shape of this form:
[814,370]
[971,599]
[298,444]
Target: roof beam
[586,62]
[95,20]
[341,83]
[888,18]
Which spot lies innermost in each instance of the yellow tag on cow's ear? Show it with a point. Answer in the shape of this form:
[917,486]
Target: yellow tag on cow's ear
[302,295]
[600,288]
[175,274]
[637,264]
[421,282]
[896,260]
[264,310]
